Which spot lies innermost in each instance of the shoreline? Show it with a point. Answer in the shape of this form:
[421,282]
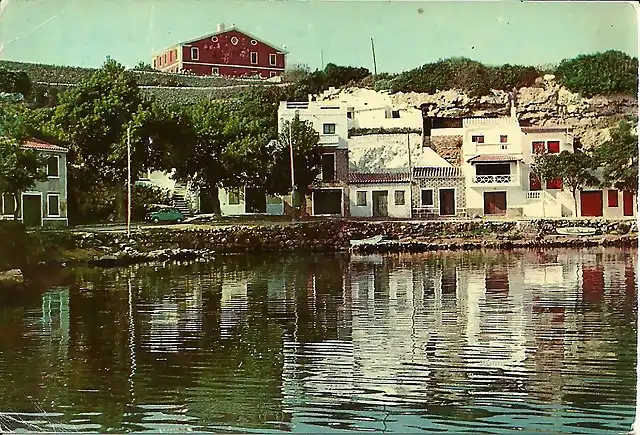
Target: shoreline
[200,243]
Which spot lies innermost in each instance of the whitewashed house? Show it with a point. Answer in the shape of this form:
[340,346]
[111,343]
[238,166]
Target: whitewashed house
[330,195]
[380,194]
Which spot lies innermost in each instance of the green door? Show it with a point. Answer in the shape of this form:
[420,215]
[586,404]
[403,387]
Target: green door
[32,209]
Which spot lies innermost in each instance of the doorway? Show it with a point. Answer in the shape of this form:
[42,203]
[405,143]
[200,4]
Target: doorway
[447,202]
[32,210]
[591,203]
[255,200]
[495,203]
[380,201]
[627,203]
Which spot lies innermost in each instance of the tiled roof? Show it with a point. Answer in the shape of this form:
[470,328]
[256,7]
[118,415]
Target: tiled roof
[379,177]
[480,122]
[43,146]
[549,129]
[437,172]
[489,158]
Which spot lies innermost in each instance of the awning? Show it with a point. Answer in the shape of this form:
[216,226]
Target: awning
[494,158]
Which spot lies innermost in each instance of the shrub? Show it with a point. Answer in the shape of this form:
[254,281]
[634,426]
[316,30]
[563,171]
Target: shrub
[605,73]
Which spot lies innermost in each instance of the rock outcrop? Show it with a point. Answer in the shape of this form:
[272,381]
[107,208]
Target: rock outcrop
[546,103]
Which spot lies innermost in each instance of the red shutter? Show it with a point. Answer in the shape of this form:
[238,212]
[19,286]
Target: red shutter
[612,198]
[554,184]
[553,146]
[538,147]
[534,182]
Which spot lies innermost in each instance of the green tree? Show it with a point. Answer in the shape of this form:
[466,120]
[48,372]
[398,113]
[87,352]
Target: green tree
[143,66]
[576,170]
[93,118]
[605,73]
[14,82]
[20,169]
[618,158]
[307,158]
[337,76]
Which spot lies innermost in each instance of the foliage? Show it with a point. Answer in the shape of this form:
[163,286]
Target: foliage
[396,130]
[296,73]
[143,66]
[611,72]
[337,76]
[618,158]
[576,170]
[306,157]
[20,169]
[463,74]
[14,82]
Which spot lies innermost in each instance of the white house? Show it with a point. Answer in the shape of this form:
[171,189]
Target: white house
[380,194]
[369,109]
[330,195]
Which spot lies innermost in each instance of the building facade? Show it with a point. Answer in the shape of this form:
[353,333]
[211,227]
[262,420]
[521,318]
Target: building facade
[380,195]
[44,204]
[227,52]
[438,192]
[329,193]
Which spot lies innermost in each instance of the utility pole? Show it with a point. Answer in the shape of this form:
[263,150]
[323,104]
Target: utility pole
[128,181]
[322,58]
[293,180]
[373,51]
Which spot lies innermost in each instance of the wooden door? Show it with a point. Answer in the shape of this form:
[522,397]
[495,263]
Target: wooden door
[32,210]
[591,203]
[495,203]
[447,202]
[380,201]
[627,203]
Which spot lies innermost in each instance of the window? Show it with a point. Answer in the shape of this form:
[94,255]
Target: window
[194,53]
[164,58]
[534,182]
[554,184]
[272,73]
[328,128]
[553,146]
[399,197]
[537,147]
[254,58]
[477,139]
[8,203]
[272,59]
[254,42]
[493,169]
[503,138]
[328,167]
[155,63]
[361,198]
[612,198]
[215,71]
[214,39]
[426,197]
[395,114]
[53,204]
[234,40]
[53,170]
[350,115]
[234,196]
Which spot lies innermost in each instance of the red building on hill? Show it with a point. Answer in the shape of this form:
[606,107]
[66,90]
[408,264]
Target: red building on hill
[228,52]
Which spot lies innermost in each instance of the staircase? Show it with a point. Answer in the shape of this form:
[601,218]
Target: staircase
[179,199]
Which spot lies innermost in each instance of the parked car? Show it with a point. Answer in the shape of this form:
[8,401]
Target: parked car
[168,214]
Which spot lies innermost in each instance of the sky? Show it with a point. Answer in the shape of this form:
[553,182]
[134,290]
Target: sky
[406,34]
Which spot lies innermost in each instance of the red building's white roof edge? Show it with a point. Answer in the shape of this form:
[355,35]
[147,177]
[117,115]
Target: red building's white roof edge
[280,49]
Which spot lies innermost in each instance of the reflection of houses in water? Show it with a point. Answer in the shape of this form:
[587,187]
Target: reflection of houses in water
[174,321]
[55,316]
[233,304]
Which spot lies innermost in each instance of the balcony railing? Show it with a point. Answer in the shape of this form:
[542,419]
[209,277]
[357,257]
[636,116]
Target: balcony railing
[329,139]
[496,148]
[494,179]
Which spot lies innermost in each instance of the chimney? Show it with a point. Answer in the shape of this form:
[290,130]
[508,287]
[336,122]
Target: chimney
[220,27]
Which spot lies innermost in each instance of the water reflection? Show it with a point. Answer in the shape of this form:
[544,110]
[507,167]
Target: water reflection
[455,342]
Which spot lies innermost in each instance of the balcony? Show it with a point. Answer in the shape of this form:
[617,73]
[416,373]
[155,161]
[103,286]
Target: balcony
[497,148]
[495,179]
[329,139]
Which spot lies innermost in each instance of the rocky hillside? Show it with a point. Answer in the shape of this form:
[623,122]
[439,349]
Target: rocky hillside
[544,103]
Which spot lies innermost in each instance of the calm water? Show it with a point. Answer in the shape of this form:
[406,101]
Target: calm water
[494,342]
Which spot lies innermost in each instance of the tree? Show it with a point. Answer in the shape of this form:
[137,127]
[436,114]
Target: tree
[13,82]
[618,158]
[307,158]
[143,66]
[576,170]
[93,118]
[20,169]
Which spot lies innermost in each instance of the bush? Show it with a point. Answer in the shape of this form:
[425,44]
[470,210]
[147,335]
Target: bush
[611,72]
[17,247]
